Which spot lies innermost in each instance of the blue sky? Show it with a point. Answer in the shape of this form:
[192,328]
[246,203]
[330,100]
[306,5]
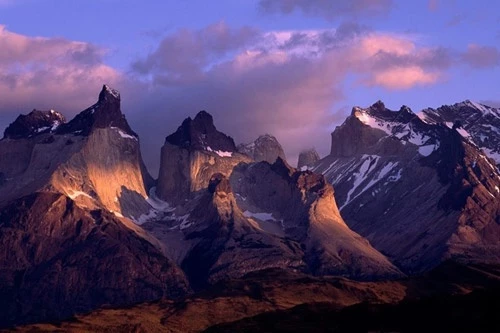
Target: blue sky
[293,68]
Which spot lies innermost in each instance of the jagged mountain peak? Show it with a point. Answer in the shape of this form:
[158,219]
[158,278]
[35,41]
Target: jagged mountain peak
[265,148]
[200,133]
[33,123]
[203,118]
[378,111]
[307,159]
[106,113]
[108,93]
[479,123]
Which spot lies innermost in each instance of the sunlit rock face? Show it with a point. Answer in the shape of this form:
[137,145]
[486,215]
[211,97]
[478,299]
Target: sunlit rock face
[231,215]
[68,192]
[421,191]
[190,157]
[303,202]
[94,158]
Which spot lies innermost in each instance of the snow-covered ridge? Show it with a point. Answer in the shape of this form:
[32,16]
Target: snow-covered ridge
[481,107]
[479,123]
[403,130]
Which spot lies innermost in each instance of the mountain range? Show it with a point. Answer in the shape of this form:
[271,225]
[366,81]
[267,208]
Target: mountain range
[401,201]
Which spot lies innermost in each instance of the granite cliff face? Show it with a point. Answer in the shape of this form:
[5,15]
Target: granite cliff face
[65,246]
[303,204]
[83,225]
[94,159]
[421,192]
[190,157]
[229,216]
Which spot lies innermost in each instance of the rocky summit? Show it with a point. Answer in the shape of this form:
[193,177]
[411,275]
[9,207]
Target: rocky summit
[307,159]
[422,192]
[405,207]
[33,123]
[264,148]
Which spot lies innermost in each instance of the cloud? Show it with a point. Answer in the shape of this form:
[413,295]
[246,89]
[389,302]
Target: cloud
[328,9]
[286,83]
[403,77]
[433,5]
[49,72]
[281,82]
[478,56]
[184,55]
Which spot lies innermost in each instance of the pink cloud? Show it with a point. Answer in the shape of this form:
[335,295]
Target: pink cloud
[49,72]
[397,62]
[285,82]
[400,78]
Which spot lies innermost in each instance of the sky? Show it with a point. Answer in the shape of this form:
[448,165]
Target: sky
[290,68]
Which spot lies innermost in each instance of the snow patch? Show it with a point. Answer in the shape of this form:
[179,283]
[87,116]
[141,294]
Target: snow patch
[55,125]
[463,133]
[185,223]
[260,216]
[158,208]
[492,154]
[113,92]
[483,108]
[267,217]
[426,150]
[396,177]
[74,194]
[220,152]
[41,129]
[373,122]
[369,162]
[123,134]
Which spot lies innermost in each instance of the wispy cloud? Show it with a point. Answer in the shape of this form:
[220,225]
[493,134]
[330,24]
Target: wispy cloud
[480,56]
[328,9]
